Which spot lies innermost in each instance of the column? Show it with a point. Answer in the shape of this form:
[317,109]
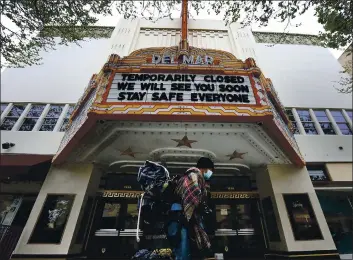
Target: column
[333,121]
[299,122]
[78,180]
[280,183]
[6,111]
[316,122]
[41,118]
[21,118]
[243,41]
[348,119]
[124,37]
[61,118]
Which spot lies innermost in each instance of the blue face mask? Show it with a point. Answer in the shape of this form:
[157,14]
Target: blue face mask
[207,175]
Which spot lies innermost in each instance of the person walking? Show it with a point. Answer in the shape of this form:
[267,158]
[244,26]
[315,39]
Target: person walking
[193,190]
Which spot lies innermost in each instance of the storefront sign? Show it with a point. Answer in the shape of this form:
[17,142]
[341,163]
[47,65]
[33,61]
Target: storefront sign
[186,59]
[181,88]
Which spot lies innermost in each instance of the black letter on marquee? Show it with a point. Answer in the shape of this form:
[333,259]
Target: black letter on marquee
[246,98]
[121,96]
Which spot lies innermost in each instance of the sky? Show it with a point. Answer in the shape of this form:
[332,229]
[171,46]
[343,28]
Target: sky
[309,24]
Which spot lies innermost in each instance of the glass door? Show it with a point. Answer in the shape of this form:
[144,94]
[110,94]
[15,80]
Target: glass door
[106,224]
[113,232]
[238,228]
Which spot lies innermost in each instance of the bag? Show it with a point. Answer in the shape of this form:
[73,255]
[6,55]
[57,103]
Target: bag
[154,180]
[152,177]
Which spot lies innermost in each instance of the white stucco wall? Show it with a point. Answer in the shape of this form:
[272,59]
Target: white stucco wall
[303,76]
[325,148]
[32,142]
[61,78]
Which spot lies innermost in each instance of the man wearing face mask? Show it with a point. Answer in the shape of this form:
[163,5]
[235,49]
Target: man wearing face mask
[193,190]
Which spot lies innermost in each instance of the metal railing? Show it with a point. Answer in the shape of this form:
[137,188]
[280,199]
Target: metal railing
[9,236]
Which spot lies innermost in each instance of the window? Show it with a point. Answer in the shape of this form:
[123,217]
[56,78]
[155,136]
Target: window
[349,113]
[51,118]
[317,172]
[3,107]
[292,119]
[337,209]
[12,117]
[32,117]
[110,215]
[66,119]
[302,217]
[307,122]
[341,122]
[52,220]
[324,122]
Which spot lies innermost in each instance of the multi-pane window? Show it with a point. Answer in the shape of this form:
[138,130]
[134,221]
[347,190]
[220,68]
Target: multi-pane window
[3,107]
[341,122]
[66,119]
[324,122]
[292,119]
[349,113]
[317,172]
[32,117]
[307,122]
[51,118]
[12,117]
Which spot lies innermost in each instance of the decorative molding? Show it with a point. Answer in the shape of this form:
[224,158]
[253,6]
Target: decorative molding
[95,32]
[286,38]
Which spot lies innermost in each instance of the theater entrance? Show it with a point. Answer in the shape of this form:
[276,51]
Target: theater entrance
[236,220]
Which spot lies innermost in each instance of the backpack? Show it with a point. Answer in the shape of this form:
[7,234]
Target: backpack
[152,177]
[158,195]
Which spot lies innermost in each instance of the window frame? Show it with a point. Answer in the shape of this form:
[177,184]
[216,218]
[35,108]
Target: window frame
[349,114]
[13,117]
[48,117]
[303,122]
[326,121]
[65,121]
[6,106]
[341,122]
[318,167]
[32,117]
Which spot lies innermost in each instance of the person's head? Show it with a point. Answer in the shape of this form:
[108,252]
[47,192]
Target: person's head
[206,167]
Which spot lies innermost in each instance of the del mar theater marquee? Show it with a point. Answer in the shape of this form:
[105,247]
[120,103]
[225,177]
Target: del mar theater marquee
[183,85]
[182,88]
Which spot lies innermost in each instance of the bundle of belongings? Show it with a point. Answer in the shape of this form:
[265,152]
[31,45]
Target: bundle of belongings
[168,203]
[163,253]
[158,195]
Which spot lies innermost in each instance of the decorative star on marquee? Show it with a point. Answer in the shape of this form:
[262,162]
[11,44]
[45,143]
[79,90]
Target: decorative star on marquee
[184,142]
[128,152]
[235,154]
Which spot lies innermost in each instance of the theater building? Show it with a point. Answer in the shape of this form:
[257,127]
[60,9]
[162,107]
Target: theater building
[75,130]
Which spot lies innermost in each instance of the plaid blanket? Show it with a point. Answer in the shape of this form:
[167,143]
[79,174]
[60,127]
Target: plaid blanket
[192,190]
